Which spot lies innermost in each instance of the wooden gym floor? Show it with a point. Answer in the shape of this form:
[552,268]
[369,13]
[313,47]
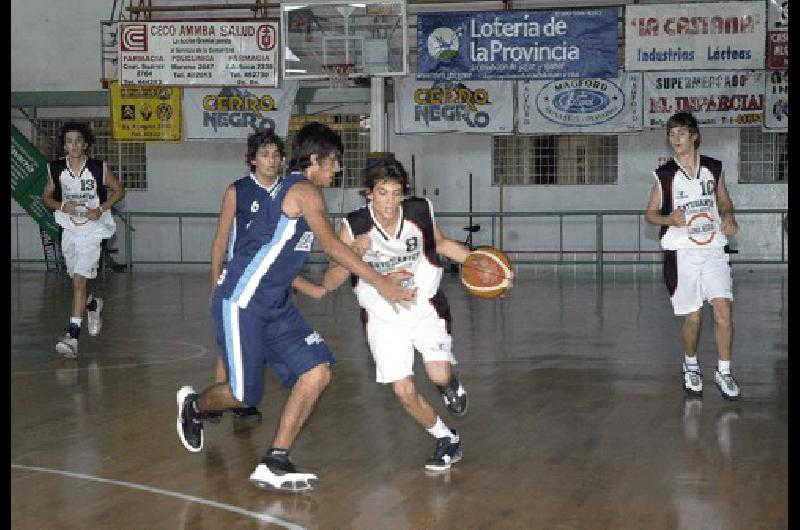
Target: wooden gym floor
[577,419]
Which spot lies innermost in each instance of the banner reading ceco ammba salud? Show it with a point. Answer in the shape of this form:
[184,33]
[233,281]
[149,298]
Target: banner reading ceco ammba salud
[28,178]
[716,99]
[517,44]
[145,113]
[580,105]
[453,106]
[198,53]
[236,112]
[697,36]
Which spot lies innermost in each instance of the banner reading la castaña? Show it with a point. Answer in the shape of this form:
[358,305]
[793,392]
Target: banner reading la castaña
[716,99]
[697,36]
[236,112]
[569,106]
[198,53]
[778,34]
[542,44]
[453,106]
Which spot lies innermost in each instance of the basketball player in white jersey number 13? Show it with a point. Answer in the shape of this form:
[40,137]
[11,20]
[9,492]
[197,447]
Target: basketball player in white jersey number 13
[76,190]
[398,236]
[690,202]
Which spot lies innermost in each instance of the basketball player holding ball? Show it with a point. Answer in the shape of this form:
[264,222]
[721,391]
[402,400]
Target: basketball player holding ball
[690,202]
[398,236]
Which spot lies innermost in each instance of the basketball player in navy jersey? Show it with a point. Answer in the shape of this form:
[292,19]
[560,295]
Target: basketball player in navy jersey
[240,204]
[398,235]
[255,319]
[690,202]
[77,191]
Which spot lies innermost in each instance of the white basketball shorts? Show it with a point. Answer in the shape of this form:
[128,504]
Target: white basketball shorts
[392,344]
[81,253]
[695,275]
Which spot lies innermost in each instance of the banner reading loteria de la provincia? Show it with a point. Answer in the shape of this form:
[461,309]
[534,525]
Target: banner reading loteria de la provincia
[453,106]
[697,36]
[518,44]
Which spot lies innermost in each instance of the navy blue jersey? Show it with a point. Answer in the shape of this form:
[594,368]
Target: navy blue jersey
[269,254]
[250,195]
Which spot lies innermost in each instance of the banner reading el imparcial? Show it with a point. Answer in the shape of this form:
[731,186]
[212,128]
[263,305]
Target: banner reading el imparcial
[453,106]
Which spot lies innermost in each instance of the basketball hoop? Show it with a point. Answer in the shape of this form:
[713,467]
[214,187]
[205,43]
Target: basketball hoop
[338,74]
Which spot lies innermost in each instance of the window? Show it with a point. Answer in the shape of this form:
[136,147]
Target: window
[763,157]
[128,161]
[355,138]
[569,159]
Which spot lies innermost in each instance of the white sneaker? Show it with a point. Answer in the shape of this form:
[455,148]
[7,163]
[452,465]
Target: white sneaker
[727,385]
[692,381]
[68,347]
[279,473]
[93,321]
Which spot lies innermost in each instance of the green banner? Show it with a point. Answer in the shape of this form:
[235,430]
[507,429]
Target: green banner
[28,178]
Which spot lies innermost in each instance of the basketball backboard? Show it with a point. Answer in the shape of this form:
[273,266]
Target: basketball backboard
[369,35]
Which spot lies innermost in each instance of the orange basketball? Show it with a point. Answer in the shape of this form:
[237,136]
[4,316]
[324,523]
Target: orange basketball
[486,273]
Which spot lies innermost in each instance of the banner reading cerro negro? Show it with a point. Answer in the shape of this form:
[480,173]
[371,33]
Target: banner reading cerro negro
[236,112]
[453,106]
[776,106]
[697,36]
[716,99]
[198,53]
[517,44]
[580,105]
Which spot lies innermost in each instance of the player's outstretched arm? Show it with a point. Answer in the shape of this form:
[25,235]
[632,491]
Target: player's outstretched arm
[309,288]
[305,199]
[336,275]
[450,248]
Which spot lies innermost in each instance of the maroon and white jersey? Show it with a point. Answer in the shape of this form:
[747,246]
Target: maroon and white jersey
[411,247]
[696,195]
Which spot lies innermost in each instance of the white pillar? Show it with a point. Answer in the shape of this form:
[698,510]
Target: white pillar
[377,131]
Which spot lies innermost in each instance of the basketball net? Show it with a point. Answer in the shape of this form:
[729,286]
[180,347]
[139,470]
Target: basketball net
[338,74]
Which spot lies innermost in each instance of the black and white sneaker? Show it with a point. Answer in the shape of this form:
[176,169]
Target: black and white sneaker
[727,385]
[455,398]
[447,453]
[190,426]
[247,414]
[277,472]
[692,380]
[94,323]
[68,346]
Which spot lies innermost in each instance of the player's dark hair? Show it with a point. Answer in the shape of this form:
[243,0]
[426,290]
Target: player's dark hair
[684,119]
[259,139]
[82,128]
[383,166]
[314,139]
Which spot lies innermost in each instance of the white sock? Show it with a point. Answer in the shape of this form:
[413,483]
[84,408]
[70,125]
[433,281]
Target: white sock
[724,367]
[76,320]
[691,362]
[439,429]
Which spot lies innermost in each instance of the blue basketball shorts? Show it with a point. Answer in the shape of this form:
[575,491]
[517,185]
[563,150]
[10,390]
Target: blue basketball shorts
[250,337]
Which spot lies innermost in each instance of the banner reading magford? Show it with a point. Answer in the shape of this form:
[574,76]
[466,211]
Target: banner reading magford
[569,106]
[716,99]
[697,36]
[198,53]
[453,106]
[236,112]
[518,44]
[776,110]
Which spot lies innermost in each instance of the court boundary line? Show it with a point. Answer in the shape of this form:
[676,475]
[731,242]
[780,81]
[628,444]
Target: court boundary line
[149,489]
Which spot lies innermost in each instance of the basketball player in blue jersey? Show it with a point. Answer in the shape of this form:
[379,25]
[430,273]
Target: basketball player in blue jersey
[255,319]
[240,204]
[690,202]
[398,235]
[77,191]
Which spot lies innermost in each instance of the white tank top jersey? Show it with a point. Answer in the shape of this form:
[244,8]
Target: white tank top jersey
[81,187]
[697,197]
[410,247]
